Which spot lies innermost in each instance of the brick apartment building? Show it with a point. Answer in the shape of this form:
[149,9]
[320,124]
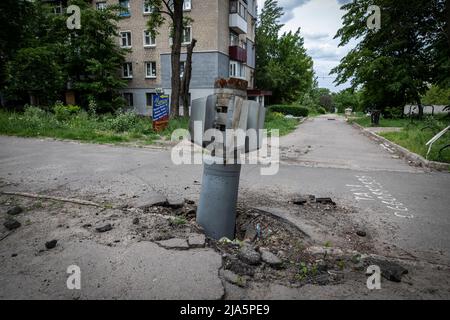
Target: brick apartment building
[225,33]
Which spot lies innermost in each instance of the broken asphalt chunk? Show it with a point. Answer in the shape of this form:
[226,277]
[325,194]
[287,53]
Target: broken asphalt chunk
[196,240]
[299,201]
[174,244]
[14,211]
[325,201]
[105,228]
[271,259]
[51,244]
[249,255]
[390,270]
[12,224]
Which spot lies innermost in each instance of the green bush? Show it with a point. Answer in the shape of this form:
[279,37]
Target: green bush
[321,110]
[64,113]
[123,121]
[295,111]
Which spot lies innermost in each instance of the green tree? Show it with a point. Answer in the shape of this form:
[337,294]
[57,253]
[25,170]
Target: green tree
[281,61]
[13,31]
[36,72]
[170,11]
[92,57]
[396,63]
[347,99]
[54,58]
[436,95]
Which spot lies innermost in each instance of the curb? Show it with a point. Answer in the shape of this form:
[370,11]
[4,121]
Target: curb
[413,158]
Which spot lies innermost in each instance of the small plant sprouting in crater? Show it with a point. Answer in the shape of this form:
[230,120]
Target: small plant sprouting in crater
[327,244]
[178,221]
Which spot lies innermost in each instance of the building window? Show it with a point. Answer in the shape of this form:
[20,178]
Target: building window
[187,5]
[239,8]
[58,7]
[127,70]
[148,9]
[125,39]
[187,35]
[128,96]
[234,39]
[237,70]
[101,5]
[149,99]
[125,5]
[149,40]
[150,69]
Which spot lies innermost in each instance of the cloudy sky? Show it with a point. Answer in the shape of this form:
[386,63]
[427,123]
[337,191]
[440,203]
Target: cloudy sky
[319,20]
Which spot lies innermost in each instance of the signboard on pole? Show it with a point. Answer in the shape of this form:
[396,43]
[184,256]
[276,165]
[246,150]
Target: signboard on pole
[160,111]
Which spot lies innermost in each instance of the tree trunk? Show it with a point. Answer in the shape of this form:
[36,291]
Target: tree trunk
[420,106]
[176,53]
[186,82]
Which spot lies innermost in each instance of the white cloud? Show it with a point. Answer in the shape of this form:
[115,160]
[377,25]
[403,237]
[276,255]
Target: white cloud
[319,21]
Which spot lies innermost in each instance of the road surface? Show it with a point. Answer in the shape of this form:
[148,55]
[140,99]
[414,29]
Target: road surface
[404,209]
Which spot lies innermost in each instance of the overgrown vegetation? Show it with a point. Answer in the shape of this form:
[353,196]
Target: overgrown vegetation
[276,120]
[73,123]
[45,58]
[396,64]
[70,122]
[292,110]
[415,134]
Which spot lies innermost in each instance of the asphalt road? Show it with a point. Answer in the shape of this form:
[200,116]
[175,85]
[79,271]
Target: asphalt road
[323,157]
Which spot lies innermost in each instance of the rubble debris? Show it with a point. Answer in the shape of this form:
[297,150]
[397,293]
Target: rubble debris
[389,270]
[196,240]
[136,221]
[175,203]
[174,244]
[250,232]
[105,228]
[271,259]
[361,233]
[325,201]
[12,224]
[249,255]
[237,266]
[299,201]
[51,244]
[233,278]
[15,211]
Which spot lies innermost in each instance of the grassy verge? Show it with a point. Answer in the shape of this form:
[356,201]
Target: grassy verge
[415,135]
[276,120]
[396,123]
[121,128]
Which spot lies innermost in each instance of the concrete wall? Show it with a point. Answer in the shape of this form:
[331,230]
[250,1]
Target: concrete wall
[427,109]
[206,68]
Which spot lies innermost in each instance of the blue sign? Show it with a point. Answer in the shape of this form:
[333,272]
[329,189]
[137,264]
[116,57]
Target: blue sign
[160,106]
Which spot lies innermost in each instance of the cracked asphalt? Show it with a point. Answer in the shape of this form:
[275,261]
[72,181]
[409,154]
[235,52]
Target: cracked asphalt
[325,157]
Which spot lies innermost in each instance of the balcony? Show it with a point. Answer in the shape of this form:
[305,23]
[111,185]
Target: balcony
[238,24]
[237,53]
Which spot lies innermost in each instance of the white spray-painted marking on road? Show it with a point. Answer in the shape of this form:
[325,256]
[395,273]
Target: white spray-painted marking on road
[371,190]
